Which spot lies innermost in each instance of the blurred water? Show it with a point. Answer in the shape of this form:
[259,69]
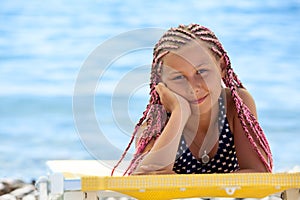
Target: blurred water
[43,45]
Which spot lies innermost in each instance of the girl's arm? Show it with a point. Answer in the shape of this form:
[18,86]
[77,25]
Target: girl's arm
[247,157]
[162,153]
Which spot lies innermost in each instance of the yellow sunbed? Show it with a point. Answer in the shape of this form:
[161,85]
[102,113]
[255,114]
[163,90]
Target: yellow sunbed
[90,180]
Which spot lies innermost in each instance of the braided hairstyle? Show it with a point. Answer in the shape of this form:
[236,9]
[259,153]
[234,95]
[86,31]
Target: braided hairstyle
[155,115]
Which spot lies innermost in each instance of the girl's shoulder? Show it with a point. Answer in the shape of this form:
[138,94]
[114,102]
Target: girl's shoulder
[231,111]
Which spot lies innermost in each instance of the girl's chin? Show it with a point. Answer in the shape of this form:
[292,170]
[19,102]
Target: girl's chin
[197,110]
[202,108]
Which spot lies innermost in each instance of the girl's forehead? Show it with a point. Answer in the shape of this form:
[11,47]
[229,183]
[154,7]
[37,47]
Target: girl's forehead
[192,53]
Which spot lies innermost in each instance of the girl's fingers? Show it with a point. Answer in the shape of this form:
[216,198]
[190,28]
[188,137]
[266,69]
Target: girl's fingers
[167,97]
[159,88]
[170,99]
[152,170]
[151,167]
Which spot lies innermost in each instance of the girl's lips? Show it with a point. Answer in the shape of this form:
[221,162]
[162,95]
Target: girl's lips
[200,100]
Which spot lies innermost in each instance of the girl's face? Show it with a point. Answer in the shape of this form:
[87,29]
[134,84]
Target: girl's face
[193,73]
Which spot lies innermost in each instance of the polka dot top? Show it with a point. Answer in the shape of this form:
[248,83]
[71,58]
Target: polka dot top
[224,161]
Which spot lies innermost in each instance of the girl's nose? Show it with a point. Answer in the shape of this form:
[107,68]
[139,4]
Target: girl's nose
[194,90]
[197,85]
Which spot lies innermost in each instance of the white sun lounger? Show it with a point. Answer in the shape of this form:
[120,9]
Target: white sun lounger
[91,180]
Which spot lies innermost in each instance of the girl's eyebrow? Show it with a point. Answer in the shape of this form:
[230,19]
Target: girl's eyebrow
[175,72]
[200,65]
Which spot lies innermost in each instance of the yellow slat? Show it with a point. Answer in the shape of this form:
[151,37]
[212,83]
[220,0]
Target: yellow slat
[239,185]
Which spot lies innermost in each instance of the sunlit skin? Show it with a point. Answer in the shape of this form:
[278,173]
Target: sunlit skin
[190,88]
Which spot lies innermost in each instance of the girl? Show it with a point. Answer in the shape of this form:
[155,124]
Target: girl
[200,118]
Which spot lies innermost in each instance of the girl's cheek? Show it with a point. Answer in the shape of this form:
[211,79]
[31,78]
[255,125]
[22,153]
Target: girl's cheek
[213,82]
[178,88]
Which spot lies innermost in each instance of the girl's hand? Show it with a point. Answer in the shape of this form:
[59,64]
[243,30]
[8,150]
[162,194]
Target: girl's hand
[172,101]
[153,169]
[161,156]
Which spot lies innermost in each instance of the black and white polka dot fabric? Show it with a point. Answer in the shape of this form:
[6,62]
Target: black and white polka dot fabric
[224,161]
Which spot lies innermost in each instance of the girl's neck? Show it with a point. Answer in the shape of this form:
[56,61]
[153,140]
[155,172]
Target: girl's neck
[200,123]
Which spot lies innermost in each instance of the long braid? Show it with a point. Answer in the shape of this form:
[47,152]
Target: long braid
[248,120]
[154,115]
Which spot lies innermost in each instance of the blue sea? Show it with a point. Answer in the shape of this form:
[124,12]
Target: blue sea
[45,47]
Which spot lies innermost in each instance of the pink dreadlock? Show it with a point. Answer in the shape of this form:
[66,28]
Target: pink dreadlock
[155,115]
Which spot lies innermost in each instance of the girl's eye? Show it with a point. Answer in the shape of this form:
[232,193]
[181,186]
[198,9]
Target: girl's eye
[201,71]
[178,77]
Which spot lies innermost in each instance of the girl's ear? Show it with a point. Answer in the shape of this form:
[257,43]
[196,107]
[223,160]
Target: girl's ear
[223,66]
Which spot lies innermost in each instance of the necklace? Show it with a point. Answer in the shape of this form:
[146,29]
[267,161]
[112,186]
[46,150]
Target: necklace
[208,144]
[209,141]
[205,157]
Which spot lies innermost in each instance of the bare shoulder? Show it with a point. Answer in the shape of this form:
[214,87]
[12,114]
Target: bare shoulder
[231,108]
[248,100]
[245,95]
